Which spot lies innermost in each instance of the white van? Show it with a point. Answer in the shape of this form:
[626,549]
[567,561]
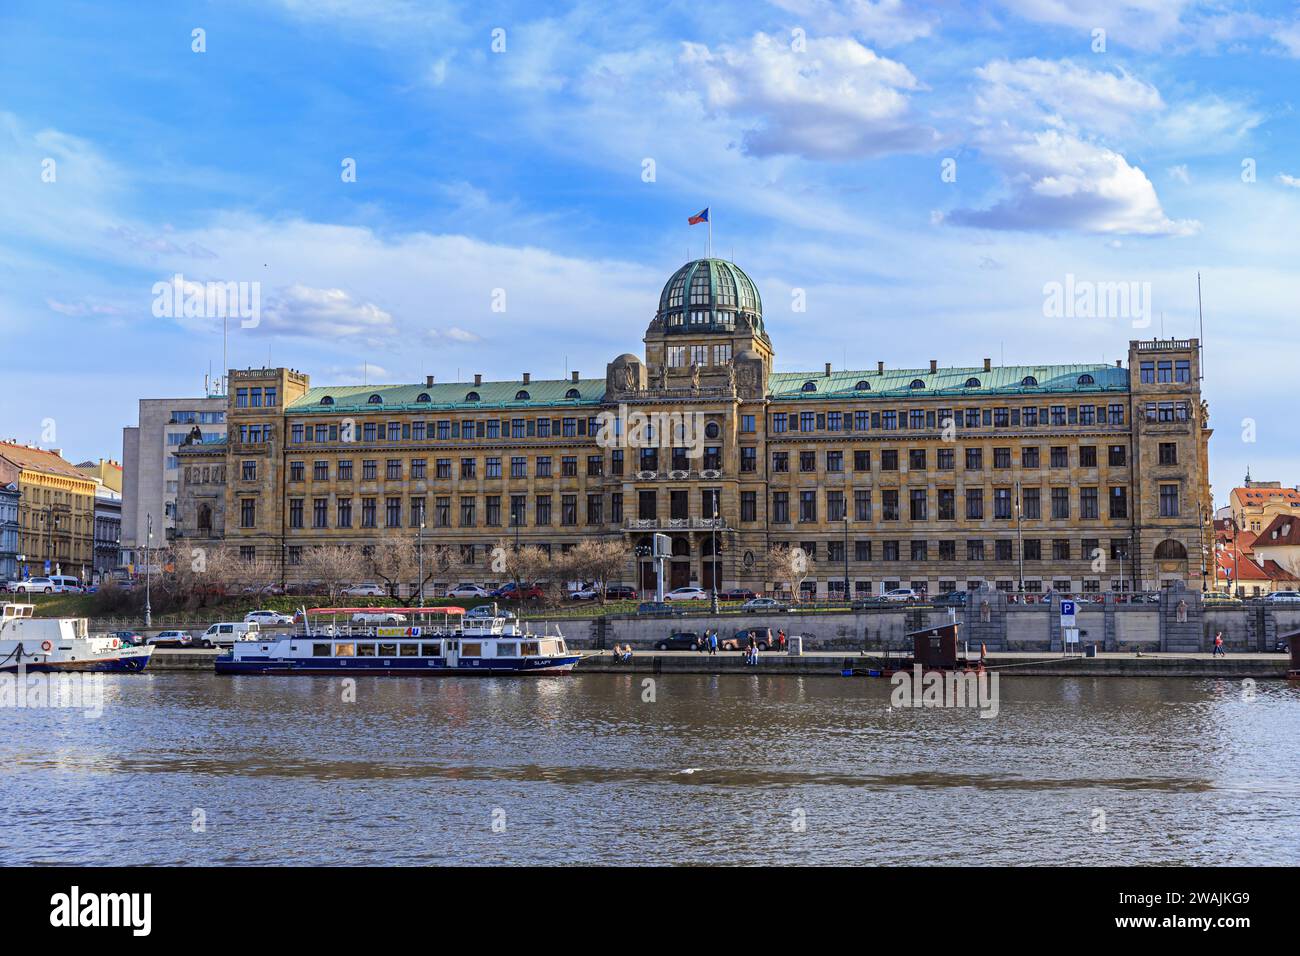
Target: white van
[225,633]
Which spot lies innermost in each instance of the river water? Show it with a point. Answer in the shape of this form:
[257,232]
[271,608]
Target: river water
[191,768]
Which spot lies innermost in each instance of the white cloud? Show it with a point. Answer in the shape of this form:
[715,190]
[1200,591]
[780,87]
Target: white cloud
[1180,173]
[1288,180]
[328,314]
[886,22]
[1207,125]
[1061,93]
[836,100]
[1058,181]
[1141,24]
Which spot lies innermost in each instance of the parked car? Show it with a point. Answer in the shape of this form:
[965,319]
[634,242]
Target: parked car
[1282,647]
[740,640]
[657,608]
[37,586]
[268,618]
[737,594]
[378,616]
[225,633]
[178,639]
[681,641]
[620,592]
[468,589]
[1283,597]
[364,590]
[517,592]
[863,604]
[128,637]
[584,594]
[763,604]
[951,599]
[902,595]
[687,594]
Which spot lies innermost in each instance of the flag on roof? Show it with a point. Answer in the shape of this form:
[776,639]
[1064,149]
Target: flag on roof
[701,216]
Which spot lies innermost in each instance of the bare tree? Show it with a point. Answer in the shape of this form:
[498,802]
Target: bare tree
[333,566]
[394,560]
[599,561]
[789,565]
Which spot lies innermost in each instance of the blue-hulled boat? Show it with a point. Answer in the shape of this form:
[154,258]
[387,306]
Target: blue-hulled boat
[485,645]
[44,644]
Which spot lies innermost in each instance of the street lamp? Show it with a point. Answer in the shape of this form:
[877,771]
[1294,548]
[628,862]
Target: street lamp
[713,571]
[148,570]
[847,600]
[419,548]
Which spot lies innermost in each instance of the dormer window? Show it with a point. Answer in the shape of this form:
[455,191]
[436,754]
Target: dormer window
[809,387]
[1087,380]
[972,383]
[422,397]
[917,383]
[1028,382]
[522,396]
[472,397]
[375,400]
[573,393]
[327,400]
[863,386]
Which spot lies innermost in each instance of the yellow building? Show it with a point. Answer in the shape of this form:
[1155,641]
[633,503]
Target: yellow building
[1256,505]
[56,511]
[106,471]
[1079,477]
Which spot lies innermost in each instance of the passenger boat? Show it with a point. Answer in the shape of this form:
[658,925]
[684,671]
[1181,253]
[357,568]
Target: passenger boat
[487,645]
[61,644]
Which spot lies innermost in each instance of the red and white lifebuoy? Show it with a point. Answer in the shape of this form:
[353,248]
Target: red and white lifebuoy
[46,646]
[117,642]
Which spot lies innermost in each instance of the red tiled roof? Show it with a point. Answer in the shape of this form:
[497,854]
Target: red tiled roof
[1276,572]
[1260,495]
[1283,531]
[38,459]
[1250,571]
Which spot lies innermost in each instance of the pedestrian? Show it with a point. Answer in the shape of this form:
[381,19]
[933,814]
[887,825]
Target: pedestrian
[984,652]
[713,641]
[1218,646]
[780,639]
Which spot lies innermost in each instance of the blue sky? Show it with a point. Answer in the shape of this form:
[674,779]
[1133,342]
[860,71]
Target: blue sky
[817,131]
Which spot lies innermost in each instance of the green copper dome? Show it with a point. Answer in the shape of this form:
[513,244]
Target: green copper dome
[709,295]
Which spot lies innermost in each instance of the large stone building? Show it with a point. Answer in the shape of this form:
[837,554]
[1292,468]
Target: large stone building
[151,468]
[1256,504]
[56,511]
[1082,477]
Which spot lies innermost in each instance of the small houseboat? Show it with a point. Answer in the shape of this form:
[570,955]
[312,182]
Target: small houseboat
[480,645]
[61,644]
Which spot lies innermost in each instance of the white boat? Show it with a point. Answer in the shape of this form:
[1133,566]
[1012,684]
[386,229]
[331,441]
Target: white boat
[488,645]
[61,644]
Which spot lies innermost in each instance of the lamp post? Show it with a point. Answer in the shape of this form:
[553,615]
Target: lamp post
[713,557]
[847,599]
[148,570]
[1020,543]
[419,549]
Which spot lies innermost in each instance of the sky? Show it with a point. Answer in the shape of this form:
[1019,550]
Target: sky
[450,189]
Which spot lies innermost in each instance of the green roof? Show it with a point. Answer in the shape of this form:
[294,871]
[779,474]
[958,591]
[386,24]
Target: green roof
[448,395]
[1002,380]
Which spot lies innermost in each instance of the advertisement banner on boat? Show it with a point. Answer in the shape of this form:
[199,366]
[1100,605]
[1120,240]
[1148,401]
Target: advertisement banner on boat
[397,632]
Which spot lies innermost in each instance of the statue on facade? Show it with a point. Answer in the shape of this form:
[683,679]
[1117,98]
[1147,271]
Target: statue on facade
[629,378]
[695,376]
[663,376]
[731,376]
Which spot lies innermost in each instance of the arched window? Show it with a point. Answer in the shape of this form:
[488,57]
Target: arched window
[809,387]
[917,383]
[472,397]
[375,400]
[422,397]
[863,386]
[1029,381]
[522,395]
[327,400]
[1171,550]
[972,383]
[573,393]
[1087,380]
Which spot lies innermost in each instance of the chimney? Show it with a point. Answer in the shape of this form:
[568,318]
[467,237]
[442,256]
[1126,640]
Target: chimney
[428,381]
[478,378]
[1117,365]
[828,368]
[934,365]
[988,365]
[527,376]
[880,368]
[575,378]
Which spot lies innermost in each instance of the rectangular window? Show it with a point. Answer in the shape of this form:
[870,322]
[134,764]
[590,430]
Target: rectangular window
[835,461]
[1060,503]
[369,469]
[568,510]
[1002,503]
[807,461]
[1088,504]
[1060,456]
[544,509]
[1168,453]
[807,506]
[344,513]
[393,512]
[492,467]
[974,459]
[1031,503]
[748,506]
[1169,501]
[492,511]
[889,460]
[917,504]
[748,459]
[1118,456]
[974,504]
[295,512]
[781,507]
[367,512]
[467,516]
[834,506]
[889,504]
[780,462]
[862,461]
[862,504]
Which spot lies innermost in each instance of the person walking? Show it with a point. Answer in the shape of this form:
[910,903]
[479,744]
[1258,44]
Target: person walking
[713,641]
[1218,646]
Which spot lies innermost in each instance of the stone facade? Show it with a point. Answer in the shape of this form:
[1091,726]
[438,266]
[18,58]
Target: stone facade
[1081,477]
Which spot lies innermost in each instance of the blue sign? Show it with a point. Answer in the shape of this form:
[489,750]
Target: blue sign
[47,566]
[1067,609]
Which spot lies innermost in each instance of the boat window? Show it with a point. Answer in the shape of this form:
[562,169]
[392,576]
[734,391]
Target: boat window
[563,649]
[387,650]
[410,650]
[508,650]
[320,650]
[474,649]
[345,650]
[548,648]
[365,650]
[430,650]
[530,648]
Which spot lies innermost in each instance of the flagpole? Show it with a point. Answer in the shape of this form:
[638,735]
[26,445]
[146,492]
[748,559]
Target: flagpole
[710,255]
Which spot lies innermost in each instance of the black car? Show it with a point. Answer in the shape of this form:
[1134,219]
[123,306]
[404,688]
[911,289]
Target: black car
[951,599]
[681,641]
[737,594]
[620,592]
[657,608]
[1282,647]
